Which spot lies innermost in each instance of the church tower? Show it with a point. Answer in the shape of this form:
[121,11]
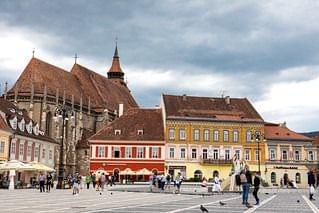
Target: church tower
[115,73]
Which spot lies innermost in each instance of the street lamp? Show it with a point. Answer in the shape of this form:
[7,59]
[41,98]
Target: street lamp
[62,113]
[258,138]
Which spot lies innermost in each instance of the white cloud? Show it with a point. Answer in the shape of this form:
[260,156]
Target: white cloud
[294,102]
[17,44]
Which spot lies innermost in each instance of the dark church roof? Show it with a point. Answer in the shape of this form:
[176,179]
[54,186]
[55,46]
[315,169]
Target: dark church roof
[102,92]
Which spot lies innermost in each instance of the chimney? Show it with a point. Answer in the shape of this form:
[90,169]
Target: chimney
[184,97]
[284,124]
[121,109]
[227,100]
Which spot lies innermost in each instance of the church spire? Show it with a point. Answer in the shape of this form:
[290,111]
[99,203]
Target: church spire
[115,72]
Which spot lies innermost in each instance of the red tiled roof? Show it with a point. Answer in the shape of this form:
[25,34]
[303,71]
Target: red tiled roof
[280,132]
[238,109]
[101,91]
[6,107]
[148,120]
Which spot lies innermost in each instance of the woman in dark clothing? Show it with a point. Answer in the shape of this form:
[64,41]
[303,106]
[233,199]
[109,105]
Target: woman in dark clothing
[49,182]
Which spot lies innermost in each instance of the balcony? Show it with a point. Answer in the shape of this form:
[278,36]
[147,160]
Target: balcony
[216,161]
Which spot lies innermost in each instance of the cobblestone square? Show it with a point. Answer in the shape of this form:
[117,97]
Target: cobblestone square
[124,201]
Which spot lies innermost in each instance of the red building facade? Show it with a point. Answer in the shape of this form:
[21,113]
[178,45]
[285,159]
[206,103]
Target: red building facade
[131,147]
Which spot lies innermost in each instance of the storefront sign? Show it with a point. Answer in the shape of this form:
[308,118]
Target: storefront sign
[285,167]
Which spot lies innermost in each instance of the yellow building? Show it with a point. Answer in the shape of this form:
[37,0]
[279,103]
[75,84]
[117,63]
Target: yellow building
[289,156]
[204,133]
[4,140]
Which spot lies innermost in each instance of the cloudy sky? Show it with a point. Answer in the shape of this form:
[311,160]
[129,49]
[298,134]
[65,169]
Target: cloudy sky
[267,51]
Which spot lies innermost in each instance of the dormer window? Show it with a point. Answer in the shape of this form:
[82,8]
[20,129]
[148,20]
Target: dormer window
[22,125]
[14,123]
[12,110]
[140,132]
[117,132]
[29,127]
[36,129]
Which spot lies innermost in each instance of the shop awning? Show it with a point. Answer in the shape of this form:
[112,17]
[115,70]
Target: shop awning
[144,171]
[41,167]
[127,171]
[16,165]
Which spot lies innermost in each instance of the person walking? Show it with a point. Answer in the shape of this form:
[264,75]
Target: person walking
[256,186]
[178,182]
[93,178]
[88,181]
[217,186]
[102,182]
[311,183]
[49,182]
[163,181]
[168,181]
[246,180]
[42,182]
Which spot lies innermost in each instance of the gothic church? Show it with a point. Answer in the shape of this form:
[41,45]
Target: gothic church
[92,100]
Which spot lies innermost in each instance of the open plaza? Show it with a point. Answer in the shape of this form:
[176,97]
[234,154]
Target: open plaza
[126,198]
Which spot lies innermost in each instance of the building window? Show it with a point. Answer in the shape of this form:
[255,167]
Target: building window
[298,177]
[235,136]
[216,135]
[247,152]
[117,132]
[36,152]
[155,152]
[21,149]
[50,154]
[206,134]
[237,153]
[204,153]
[272,154]
[284,155]
[171,134]
[196,134]
[257,154]
[128,152]
[140,152]
[182,134]
[29,148]
[310,156]
[194,153]
[227,154]
[273,177]
[171,152]
[248,136]
[297,155]
[117,152]
[183,153]
[2,147]
[13,147]
[215,154]
[140,132]
[226,136]
[43,153]
[101,152]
